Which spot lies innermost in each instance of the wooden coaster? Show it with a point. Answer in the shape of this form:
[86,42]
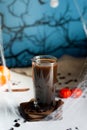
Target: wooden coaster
[30,112]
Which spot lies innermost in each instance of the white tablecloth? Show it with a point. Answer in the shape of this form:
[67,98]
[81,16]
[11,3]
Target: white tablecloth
[74,110]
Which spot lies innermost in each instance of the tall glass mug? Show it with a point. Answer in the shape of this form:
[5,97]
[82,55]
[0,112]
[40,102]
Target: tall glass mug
[44,73]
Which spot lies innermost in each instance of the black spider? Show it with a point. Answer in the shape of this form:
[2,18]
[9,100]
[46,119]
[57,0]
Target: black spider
[42,1]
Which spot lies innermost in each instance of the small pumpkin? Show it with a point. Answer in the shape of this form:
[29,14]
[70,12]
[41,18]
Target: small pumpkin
[4,75]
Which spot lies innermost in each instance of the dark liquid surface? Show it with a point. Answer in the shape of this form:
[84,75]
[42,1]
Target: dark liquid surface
[44,79]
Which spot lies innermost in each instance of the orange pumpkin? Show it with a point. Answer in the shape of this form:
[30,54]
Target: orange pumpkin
[4,75]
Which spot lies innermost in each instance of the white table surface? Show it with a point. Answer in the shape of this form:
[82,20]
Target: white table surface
[74,110]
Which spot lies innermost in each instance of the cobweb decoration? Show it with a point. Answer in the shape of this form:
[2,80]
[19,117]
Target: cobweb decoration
[82,83]
[83,73]
[84,22]
[2,60]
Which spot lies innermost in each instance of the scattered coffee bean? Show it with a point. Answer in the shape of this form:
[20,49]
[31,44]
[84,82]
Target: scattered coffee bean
[17,125]
[16,83]
[13,83]
[75,80]
[67,82]
[84,96]
[62,77]
[69,73]
[59,73]
[60,83]
[11,129]
[69,129]
[15,120]
[76,128]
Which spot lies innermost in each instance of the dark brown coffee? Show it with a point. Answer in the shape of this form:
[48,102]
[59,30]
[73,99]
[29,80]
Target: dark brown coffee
[44,80]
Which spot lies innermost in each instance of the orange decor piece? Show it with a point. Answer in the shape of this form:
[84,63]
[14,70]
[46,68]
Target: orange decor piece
[4,75]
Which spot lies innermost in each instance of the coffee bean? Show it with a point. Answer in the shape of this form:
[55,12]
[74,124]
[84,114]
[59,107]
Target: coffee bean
[67,82]
[59,73]
[60,83]
[15,120]
[69,73]
[11,129]
[76,128]
[62,77]
[69,129]
[17,125]
[75,80]
[84,96]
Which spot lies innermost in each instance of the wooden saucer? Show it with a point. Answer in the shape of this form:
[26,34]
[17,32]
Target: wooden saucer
[30,112]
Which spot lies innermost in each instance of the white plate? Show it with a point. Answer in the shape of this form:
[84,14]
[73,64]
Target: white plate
[74,110]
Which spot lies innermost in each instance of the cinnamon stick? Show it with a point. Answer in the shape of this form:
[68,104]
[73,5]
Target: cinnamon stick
[18,90]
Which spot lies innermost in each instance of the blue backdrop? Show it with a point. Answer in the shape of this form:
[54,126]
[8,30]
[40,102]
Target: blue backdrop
[32,27]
